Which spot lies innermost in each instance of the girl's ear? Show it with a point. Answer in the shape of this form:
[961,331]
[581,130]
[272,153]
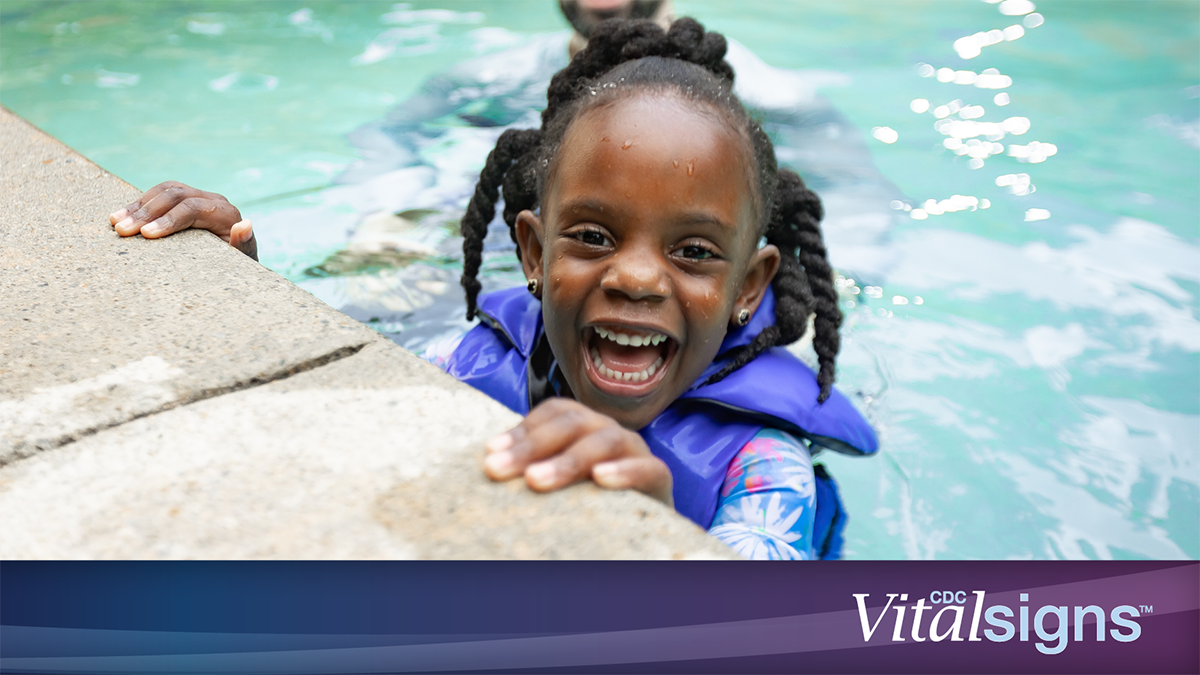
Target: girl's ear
[529,239]
[763,266]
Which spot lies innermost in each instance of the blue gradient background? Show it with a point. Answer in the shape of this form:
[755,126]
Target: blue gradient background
[706,617]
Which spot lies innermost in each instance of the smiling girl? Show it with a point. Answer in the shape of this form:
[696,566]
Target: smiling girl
[668,258]
[668,261]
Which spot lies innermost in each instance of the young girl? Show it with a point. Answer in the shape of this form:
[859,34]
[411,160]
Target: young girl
[668,260]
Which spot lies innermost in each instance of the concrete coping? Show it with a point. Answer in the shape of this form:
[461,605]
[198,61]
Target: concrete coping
[174,399]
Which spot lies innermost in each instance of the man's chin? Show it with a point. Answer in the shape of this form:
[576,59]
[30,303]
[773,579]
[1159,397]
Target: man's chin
[584,20]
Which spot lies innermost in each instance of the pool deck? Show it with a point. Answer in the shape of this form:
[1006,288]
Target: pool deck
[175,399]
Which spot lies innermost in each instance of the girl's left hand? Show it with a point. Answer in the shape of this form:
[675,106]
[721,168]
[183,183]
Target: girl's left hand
[172,206]
[562,442]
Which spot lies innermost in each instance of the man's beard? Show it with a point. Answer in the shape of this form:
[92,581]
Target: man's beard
[584,21]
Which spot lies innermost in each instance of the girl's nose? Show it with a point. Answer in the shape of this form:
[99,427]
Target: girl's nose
[638,275]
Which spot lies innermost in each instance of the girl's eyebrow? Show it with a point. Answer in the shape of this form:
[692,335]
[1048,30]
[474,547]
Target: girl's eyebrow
[588,205]
[705,218]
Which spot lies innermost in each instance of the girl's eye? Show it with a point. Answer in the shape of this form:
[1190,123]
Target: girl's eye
[694,252]
[591,238]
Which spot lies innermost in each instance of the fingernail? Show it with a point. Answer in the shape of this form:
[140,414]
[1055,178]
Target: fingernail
[118,215]
[152,228]
[500,443]
[541,474]
[605,473]
[499,464]
[242,236]
[124,222]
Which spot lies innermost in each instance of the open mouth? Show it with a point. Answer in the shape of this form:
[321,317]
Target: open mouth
[627,361]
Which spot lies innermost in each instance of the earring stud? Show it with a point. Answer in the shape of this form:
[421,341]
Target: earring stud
[743,317]
[532,285]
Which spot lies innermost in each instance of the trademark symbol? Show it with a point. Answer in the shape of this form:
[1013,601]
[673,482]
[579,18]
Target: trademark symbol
[1147,609]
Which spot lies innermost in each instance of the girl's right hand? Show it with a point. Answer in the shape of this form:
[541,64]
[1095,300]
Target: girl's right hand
[562,442]
[170,207]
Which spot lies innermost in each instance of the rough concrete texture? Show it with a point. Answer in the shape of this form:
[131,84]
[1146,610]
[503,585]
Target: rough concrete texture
[180,401]
[96,330]
[374,456]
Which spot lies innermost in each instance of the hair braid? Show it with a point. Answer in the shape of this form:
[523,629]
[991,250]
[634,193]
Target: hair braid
[482,208]
[799,214]
[520,190]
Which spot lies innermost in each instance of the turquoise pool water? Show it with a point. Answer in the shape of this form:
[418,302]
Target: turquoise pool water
[1033,367]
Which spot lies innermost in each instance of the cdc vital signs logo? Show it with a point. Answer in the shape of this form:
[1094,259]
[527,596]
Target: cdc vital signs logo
[959,616]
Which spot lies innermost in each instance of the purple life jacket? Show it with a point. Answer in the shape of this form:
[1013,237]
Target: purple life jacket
[508,358]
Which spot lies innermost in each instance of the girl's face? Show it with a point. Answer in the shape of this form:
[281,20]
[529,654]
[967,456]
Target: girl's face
[645,250]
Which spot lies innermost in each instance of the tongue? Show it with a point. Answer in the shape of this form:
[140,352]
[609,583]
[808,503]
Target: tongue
[627,359]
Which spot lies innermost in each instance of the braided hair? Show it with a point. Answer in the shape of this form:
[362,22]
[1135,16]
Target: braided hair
[625,56]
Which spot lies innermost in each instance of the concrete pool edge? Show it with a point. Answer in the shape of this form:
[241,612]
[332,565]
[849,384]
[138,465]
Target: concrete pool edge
[174,399]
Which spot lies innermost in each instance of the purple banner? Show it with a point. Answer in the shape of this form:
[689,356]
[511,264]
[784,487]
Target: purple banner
[877,617]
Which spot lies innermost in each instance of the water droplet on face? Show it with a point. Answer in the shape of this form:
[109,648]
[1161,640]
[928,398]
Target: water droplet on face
[626,145]
[691,167]
[675,163]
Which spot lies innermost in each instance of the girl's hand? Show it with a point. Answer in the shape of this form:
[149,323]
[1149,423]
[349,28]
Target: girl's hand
[170,207]
[562,442]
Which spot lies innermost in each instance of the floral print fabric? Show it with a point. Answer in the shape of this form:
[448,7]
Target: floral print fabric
[768,500]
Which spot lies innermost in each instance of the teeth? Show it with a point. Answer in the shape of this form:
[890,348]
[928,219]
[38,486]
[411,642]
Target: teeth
[631,340]
[640,376]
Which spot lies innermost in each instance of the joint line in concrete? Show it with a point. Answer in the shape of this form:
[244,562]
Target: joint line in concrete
[194,397]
